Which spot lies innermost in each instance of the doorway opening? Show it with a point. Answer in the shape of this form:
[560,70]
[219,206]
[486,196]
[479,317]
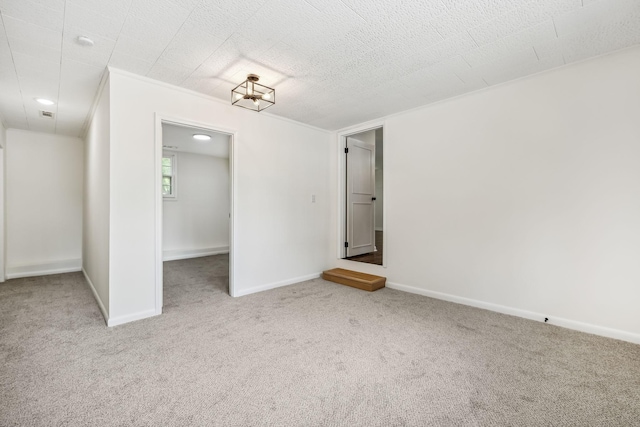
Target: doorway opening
[194,230]
[364,196]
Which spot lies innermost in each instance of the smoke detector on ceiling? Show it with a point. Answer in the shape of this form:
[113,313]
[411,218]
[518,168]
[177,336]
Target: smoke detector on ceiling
[47,114]
[85,41]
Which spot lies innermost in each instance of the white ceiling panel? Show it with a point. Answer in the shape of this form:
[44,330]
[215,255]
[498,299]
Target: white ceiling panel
[35,13]
[113,8]
[447,49]
[499,73]
[277,19]
[163,13]
[133,47]
[86,19]
[150,33]
[191,47]
[170,72]
[34,67]
[186,4]
[84,75]
[19,29]
[506,46]
[49,4]
[208,17]
[321,5]
[35,49]
[463,15]
[521,18]
[397,13]
[395,55]
[11,97]
[39,88]
[597,15]
[130,63]
[98,55]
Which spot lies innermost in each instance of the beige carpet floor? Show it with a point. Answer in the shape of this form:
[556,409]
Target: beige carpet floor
[310,354]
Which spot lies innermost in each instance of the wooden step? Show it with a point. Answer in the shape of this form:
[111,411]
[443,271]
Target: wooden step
[364,281]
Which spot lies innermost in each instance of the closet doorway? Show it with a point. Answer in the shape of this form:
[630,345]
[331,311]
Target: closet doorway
[194,236]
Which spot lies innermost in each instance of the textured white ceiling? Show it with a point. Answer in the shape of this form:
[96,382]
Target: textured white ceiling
[333,63]
[180,138]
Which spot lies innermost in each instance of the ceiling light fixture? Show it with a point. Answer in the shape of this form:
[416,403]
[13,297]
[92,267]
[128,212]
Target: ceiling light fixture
[45,101]
[252,95]
[201,137]
[85,41]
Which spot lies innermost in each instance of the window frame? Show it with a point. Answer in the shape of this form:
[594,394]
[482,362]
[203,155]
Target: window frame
[173,176]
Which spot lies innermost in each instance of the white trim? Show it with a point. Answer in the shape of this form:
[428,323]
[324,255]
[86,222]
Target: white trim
[158,148]
[279,284]
[176,254]
[94,104]
[341,144]
[58,267]
[557,321]
[103,310]
[115,321]
[113,70]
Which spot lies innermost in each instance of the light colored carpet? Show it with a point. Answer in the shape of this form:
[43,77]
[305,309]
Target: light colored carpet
[311,354]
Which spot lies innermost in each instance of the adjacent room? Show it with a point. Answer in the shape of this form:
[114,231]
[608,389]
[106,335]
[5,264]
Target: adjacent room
[319,213]
[196,211]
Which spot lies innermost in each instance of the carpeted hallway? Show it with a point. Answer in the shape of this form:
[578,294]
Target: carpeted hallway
[311,354]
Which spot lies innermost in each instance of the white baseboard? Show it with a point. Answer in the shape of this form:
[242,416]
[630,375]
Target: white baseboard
[557,321]
[58,267]
[176,254]
[276,285]
[115,321]
[105,314]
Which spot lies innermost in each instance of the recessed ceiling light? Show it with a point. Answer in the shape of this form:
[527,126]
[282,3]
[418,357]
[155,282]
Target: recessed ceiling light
[85,41]
[45,101]
[201,137]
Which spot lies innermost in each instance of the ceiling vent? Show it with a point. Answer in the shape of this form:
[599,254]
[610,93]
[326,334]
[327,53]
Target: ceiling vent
[46,114]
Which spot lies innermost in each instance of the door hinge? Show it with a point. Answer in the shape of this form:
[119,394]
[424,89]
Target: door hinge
[346,244]
[346,151]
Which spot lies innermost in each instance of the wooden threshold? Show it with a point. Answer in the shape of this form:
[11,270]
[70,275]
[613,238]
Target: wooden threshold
[355,279]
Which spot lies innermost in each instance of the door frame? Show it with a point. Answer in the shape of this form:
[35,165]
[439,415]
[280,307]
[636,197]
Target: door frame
[351,198]
[233,134]
[342,183]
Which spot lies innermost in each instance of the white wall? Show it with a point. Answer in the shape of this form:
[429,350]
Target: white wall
[197,222]
[96,206]
[522,198]
[43,203]
[279,236]
[3,140]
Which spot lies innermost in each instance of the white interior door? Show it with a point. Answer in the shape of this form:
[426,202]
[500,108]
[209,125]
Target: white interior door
[361,162]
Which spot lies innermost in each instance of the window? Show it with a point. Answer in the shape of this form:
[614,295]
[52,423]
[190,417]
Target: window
[169,176]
